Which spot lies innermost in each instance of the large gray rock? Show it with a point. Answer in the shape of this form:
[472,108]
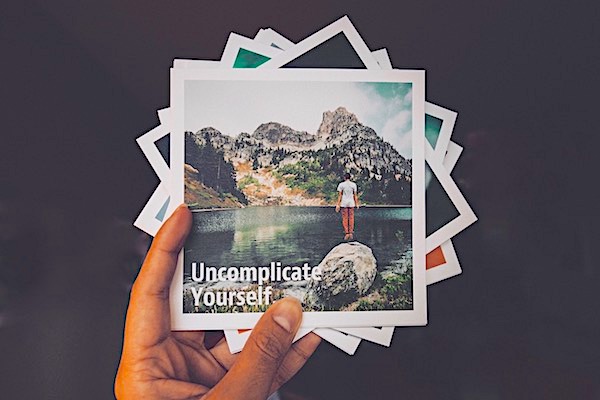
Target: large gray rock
[348,271]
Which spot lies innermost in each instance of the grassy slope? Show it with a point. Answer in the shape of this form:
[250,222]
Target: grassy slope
[198,196]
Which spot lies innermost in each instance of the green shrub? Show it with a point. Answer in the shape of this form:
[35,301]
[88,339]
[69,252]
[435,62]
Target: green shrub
[395,293]
[246,181]
[310,177]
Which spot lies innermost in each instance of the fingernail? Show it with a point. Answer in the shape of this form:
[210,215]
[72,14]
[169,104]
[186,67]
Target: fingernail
[182,205]
[287,314]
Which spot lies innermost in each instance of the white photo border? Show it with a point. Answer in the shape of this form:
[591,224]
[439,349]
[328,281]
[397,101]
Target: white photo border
[379,335]
[271,37]
[343,341]
[447,270]
[182,63]
[383,58]
[236,42]
[236,340]
[147,143]
[465,217]
[448,118]
[146,220]
[452,155]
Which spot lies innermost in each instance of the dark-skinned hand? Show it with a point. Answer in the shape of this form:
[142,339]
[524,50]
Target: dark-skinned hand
[157,363]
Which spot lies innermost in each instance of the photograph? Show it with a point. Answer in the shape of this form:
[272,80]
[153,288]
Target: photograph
[317,204]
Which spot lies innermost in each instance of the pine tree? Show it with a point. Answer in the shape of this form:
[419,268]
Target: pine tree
[213,170]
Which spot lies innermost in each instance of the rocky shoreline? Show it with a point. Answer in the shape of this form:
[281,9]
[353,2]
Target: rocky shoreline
[352,280]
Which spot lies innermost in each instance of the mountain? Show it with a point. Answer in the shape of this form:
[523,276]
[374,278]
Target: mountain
[309,164]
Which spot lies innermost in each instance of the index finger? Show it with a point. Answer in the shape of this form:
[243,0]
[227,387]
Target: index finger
[148,316]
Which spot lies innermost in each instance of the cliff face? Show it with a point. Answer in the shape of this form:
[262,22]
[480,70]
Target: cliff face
[310,163]
[335,124]
[276,135]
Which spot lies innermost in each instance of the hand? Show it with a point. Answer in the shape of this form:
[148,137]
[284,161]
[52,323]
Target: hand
[159,364]
[357,206]
[337,208]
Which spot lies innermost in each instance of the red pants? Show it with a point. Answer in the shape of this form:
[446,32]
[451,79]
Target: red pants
[348,219]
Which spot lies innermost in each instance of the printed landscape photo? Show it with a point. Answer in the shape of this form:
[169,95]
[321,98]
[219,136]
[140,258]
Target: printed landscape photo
[262,169]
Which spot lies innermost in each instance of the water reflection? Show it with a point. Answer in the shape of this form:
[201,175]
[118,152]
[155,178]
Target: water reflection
[292,235]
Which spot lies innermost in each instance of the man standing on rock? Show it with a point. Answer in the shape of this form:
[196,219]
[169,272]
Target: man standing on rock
[347,200]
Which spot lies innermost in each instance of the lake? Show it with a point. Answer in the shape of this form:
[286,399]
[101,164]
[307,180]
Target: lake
[256,236]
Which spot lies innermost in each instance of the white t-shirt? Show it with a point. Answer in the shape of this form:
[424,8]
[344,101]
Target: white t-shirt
[347,188]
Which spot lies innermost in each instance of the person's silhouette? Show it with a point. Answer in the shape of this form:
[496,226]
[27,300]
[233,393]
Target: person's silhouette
[347,201]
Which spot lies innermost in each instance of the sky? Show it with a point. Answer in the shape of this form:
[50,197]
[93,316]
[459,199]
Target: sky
[233,107]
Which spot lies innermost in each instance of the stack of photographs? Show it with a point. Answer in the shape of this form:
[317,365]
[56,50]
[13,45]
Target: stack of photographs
[314,170]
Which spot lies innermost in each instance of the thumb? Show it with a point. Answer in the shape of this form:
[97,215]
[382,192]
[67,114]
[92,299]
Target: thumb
[252,375]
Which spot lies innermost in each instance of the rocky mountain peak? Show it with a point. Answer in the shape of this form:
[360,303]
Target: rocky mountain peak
[336,122]
[212,135]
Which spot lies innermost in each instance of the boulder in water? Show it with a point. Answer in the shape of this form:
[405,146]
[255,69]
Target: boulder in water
[347,271]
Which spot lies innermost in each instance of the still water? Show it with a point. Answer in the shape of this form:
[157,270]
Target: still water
[255,236]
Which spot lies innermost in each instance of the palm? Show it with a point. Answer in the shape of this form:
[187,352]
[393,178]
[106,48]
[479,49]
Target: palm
[186,358]
[183,364]
[193,361]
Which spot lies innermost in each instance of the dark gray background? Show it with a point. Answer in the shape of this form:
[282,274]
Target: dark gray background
[81,81]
